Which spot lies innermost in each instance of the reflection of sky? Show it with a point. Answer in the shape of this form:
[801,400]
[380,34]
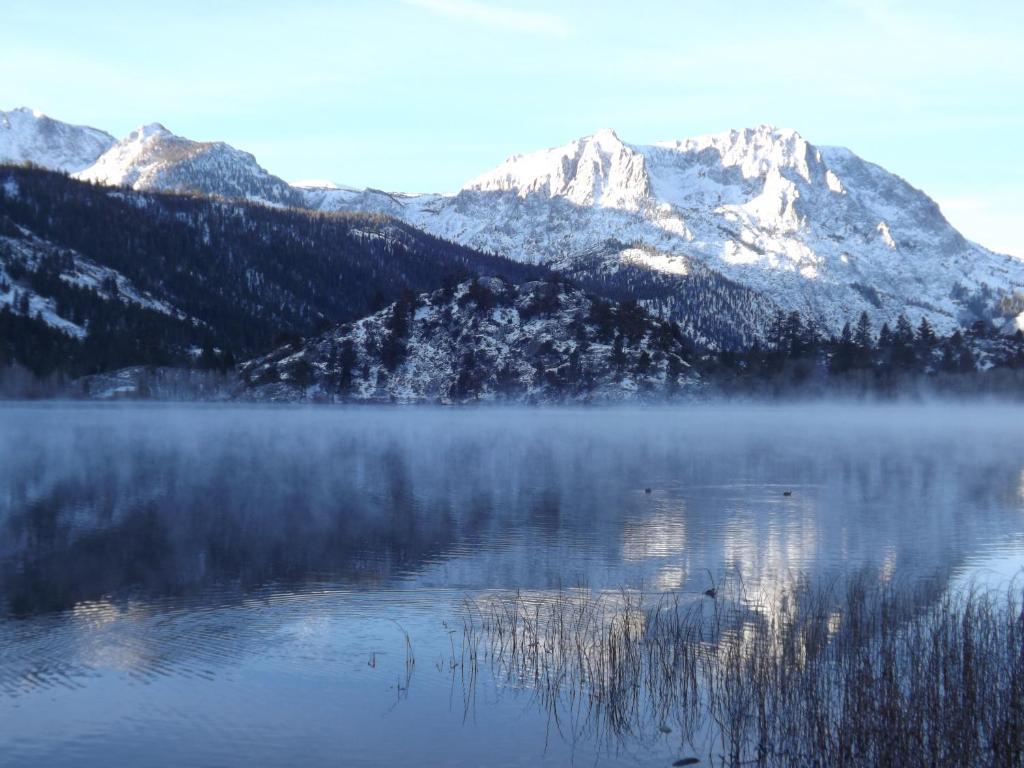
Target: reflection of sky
[663,534]
[769,549]
[998,568]
[999,564]
[670,578]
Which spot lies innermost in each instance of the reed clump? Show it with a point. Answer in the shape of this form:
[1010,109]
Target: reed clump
[862,672]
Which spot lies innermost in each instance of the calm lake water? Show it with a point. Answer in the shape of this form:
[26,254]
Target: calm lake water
[221,586]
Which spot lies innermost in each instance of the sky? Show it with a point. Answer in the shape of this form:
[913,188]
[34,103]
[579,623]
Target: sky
[422,95]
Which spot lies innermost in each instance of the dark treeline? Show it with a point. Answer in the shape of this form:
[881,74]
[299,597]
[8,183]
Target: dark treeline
[795,358]
[708,307]
[240,277]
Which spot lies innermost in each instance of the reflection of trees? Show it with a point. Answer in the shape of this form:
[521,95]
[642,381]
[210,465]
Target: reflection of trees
[119,509]
[154,502]
[168,523]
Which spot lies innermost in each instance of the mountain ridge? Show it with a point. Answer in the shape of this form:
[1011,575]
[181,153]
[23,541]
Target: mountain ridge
[811,229]
[814,229]
[153,159]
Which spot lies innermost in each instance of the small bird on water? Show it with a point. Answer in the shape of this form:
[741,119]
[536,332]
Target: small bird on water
[787,493]
[712,593]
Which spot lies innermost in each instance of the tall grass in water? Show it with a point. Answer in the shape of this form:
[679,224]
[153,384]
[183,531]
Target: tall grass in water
[860,674]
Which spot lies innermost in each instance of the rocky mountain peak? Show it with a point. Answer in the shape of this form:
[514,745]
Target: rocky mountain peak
[29,136]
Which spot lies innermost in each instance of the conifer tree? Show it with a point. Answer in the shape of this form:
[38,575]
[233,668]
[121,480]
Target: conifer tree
[864,342]
[844,357]
[884,338]
[903,357]
[925,334]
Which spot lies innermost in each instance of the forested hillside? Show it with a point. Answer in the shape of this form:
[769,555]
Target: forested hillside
[710,309]
[486,340]
[93,278]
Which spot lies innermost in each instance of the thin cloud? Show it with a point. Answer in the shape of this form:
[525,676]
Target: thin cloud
[534,22]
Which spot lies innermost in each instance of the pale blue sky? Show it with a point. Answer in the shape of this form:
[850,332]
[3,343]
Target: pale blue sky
[421,95]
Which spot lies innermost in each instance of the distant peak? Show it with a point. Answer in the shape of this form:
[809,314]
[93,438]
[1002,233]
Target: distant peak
[769,132]
[316,184]
[27,111]
[772,128]
[606,137]
[759,134]
[144,132]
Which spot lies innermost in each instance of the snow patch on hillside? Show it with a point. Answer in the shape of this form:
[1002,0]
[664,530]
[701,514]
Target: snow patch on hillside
[28,251]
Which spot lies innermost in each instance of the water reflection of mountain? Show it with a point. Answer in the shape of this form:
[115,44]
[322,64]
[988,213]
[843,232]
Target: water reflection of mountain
[157,502]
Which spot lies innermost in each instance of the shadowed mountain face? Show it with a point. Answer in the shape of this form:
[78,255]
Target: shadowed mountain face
[27,136]
[93,278]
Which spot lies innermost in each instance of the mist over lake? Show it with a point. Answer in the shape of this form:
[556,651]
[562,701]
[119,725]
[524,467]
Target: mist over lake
[229,582]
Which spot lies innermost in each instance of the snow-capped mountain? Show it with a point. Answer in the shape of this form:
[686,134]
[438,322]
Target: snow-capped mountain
[30,136]
[151,158]
[484,339]
[813,229]
[717,231]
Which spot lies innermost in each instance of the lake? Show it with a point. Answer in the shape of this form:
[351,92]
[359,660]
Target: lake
[215,586]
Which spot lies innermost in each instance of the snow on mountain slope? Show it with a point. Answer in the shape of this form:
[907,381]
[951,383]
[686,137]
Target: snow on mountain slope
[597,171]
[817,230]
[30,136]
[22,254]
[812,229]
[151,158]
[484,340]
[1013,325]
